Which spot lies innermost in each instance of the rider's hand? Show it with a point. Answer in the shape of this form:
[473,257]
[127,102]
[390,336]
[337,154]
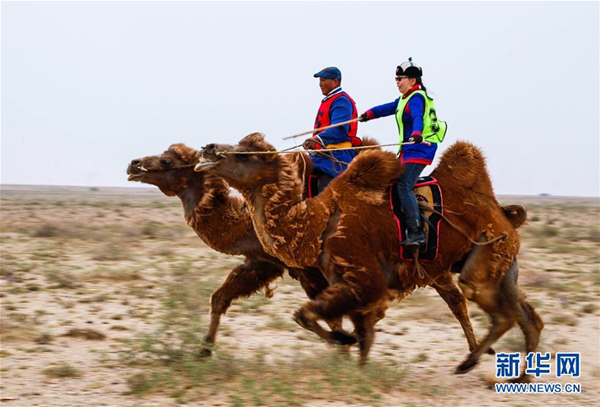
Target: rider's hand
[416,138]
[363,117]
[310,144]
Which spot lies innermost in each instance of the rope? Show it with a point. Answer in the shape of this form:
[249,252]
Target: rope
[503,235]
[287,151]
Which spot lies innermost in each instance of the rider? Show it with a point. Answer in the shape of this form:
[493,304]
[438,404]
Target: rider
[417,123]
[336,107]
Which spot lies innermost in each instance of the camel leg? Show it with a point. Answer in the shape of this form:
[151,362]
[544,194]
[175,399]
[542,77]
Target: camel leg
[243,281]
[308,319]
[529,321]
[478,284]
[457,303]
[365,330]
[333,303]
[505,303]
[500,324]
[313,282]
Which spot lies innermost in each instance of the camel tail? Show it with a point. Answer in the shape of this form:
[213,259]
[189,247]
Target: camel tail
[516,214]
[373,169]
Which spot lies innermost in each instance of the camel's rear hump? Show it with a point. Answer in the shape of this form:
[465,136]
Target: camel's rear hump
[466,164]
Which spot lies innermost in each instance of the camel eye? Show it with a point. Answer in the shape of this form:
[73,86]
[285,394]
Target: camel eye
[166,164]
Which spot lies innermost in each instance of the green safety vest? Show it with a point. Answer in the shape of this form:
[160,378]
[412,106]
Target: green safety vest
[434,130]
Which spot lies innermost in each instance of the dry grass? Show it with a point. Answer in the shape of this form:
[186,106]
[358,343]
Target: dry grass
[75,266]
[62,371]
[86,333]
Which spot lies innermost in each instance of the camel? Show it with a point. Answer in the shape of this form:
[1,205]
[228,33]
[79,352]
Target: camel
[224,223]
[349,234]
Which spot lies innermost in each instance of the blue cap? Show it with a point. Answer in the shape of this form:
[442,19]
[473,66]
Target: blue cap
[331,72]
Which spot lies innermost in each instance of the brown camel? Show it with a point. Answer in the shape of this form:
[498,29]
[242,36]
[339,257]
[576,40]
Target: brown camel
[223,223]
[349,233]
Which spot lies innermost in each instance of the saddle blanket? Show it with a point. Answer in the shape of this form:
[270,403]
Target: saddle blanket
[428,191]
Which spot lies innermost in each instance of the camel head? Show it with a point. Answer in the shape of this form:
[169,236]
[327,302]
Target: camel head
[242,171]
[170,171]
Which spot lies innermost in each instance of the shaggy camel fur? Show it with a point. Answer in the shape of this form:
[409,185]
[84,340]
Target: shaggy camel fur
[223,223]
[348,232]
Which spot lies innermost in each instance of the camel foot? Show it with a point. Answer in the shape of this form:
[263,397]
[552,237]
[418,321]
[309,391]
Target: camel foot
[301,320]
[343,337]
[466,366]
[204,353]
[491,351]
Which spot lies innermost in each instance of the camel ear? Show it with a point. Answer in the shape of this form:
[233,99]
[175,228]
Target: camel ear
[255,142]
[184,152]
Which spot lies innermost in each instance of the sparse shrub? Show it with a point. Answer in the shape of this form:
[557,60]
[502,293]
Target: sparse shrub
[62,279]
[62,371]
[150,229]
[86,333]
[139,383]
[590,308]
[32,287]
[44,339]
[565,320]
[47,230]
[421,357]
[111,252]
[548,231]
[594,234]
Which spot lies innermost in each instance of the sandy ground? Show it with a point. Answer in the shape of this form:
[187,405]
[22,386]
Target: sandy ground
[100,259]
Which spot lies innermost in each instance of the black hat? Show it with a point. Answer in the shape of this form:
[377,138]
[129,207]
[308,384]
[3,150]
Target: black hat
[410,69]
[330,72]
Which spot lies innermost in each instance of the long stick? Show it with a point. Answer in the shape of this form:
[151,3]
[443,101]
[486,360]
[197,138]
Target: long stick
[322,128]
[287,150]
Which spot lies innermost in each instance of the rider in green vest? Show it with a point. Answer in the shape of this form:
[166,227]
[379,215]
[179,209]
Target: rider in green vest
[417,122]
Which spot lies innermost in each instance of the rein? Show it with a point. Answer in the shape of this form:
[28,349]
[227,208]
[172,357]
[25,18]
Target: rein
[287,150]
[503,235]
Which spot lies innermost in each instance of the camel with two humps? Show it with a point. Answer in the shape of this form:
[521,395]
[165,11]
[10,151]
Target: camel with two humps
[224,223]
[348,232]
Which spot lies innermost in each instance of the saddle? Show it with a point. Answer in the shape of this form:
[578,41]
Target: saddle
[428,191]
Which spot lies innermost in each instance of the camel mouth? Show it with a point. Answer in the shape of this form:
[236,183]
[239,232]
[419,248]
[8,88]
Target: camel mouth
[135,177]
[204,164]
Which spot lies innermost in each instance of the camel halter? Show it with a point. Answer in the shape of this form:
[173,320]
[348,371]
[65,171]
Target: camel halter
[142,168]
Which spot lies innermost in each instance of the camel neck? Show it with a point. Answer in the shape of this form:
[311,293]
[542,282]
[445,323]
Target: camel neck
[288,227]
[202,198]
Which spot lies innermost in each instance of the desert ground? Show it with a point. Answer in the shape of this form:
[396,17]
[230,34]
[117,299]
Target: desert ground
[105,300]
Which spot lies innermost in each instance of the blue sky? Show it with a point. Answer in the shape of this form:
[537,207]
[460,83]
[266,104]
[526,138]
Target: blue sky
[88,86]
